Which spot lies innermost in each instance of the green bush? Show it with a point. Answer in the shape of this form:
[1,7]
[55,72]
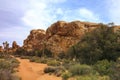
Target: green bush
[9,64]
[25,57]
[5,64]
[61,55]
[34,59]
[116,71]
[53,63]
[7,68]
[80,69]
[49,70]
[103,67]
[54,70]
[20,51]
[43,60]
[66,75]
[38,53]
[7,75]
[92,77]
[59,70]
[99,44]
[48,53]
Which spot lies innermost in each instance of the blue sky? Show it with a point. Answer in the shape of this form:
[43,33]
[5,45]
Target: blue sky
[18,17]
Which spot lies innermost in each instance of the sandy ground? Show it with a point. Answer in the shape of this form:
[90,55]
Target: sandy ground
[33,71]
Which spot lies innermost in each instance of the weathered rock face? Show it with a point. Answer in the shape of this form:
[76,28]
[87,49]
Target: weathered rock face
[15,46]
[1,49]
[62,35]
[59,36]
[34,39]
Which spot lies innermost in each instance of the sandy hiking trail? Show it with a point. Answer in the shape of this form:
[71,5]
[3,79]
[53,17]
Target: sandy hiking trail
[33,71]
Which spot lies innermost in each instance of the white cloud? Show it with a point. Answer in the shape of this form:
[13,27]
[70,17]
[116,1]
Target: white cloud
[113,7]
[83,14]
[42,14]
[56,1]
[88,15]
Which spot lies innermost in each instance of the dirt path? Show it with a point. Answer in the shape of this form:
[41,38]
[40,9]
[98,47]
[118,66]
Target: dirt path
[33,71]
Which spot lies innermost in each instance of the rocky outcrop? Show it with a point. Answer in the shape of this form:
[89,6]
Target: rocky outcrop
[15,46]
[1,49]
[34,39]
[59,36]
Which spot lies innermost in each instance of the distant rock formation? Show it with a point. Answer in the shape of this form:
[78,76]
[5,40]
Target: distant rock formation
[1,49]
[59,36]
[15,46]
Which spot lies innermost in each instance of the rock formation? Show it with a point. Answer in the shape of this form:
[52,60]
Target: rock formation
[34,39]
[1,49]
[15,46]
[59,36]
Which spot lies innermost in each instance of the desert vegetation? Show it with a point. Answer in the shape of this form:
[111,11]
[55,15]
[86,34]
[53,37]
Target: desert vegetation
[95,57]
[8,67]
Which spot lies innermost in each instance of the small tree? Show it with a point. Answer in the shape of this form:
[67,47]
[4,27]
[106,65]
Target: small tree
[6,45]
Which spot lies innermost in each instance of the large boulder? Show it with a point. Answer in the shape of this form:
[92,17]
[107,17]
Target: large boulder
[59,36]
[62,35]
[34,39]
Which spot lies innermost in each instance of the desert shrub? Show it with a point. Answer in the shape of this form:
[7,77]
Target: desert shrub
[4,65]
[38,53]
[67,64]
[7,68]
[66,75]
[93,77]
[38,59]
[103,67]
[43,60]
[61,55]
[34,59]
[80,69]
[43,53]
[48,53]
[1,54]
[6,75]
[118,60]
[49,69]
[53,63]
[116,71]
[20,51]
[14,63]
[59,70]
[9,64]
[66,61]
[25,57]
